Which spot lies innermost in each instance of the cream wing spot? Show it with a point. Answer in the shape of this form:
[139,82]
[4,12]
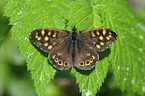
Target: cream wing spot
[101,43]
[39,38]
[93,56]
[92,33]
[88,54]
[42,32]
[101,37]
[36,36]
[94,42]
[98,32]
[49,33]
[53,56]
[104,32]
[46,38]
[58,53]
[45,44]
[107,38]
[54,35]
[53,43]
[50,47]
[107,43]
[110,36]
[98,46]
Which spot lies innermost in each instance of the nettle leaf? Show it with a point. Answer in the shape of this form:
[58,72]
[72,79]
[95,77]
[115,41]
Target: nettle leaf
[129,58]
[27,15]
[126,55]
[89,81]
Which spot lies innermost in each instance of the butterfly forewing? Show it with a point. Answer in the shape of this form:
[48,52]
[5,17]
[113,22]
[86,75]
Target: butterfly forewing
[100,38]
[61,55]
[47,38]
[86,56]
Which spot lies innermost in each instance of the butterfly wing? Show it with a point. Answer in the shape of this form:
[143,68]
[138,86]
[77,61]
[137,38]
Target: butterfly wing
[47,38]
[99,38]
[61,55]
[86,56]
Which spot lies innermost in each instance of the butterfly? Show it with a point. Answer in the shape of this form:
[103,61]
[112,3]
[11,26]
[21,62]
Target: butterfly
[67,49]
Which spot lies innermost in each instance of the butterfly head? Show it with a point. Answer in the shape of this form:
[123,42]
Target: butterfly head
[74,29]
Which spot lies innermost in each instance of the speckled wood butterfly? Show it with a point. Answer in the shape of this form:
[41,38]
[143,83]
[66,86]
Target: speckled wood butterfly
[73,48]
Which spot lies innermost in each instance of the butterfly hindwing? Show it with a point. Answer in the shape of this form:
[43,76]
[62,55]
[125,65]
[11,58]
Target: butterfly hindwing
[61,55]
[86,56]
[100,38]
[47,38]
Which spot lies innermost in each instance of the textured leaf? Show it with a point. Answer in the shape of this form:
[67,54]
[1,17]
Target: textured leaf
[27,15]
[126,55]
[128,59]
[89,81]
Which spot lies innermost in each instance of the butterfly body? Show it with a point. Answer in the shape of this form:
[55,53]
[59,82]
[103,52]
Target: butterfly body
[73,48]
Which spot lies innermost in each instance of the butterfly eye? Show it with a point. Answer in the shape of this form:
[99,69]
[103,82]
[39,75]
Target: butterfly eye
[87,62]
[81,63]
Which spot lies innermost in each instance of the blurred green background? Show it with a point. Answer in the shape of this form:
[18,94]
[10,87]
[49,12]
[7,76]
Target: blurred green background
[15,80]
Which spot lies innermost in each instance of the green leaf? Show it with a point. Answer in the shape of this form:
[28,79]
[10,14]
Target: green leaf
[89,81]
[27,15]
[126,55]
[128,59]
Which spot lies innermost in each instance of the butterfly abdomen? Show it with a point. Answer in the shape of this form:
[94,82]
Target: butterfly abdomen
[73,49]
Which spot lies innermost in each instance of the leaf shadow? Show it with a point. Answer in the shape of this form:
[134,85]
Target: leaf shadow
[84,72]
[45,54]
[102,55]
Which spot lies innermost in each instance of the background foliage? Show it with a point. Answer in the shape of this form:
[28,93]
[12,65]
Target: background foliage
[125,58]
